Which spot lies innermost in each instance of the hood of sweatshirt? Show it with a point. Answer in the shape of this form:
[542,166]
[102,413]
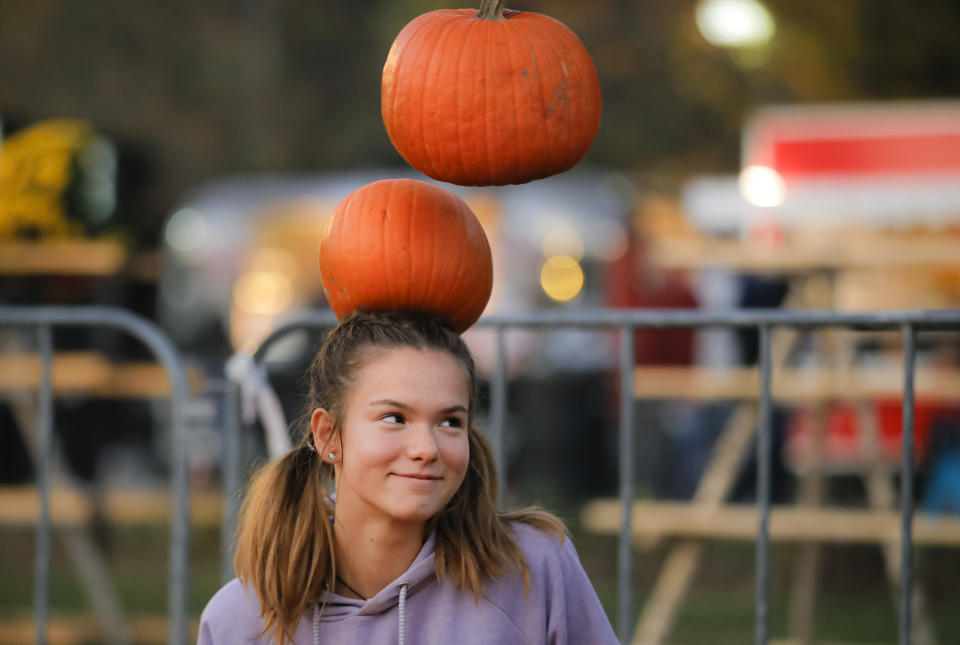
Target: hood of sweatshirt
[417,576]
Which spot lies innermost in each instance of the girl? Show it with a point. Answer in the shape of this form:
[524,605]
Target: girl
[411,547]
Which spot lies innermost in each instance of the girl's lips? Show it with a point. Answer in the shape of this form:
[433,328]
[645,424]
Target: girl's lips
[417,476]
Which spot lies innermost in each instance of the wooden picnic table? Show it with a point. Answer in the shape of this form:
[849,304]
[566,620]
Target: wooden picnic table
[93,375]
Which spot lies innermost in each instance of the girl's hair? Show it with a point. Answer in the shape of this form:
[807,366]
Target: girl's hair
[285,547]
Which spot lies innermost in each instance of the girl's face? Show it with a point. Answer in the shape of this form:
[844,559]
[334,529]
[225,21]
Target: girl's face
[403,448]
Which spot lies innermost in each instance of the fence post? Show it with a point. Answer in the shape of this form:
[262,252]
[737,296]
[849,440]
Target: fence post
[625,547]
[763,488]
[906,486]
[41,600]
[231,476]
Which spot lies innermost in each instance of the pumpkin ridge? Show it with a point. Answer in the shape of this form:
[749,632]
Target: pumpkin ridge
[336,294]
[563,132]
[486,261]
[386,250]
[461,147]
[540,120]
[412,78]
[513,95]
[470,305]
[487,91]
[425,149]
[462,261]
[428,292]
[363,252]
[457,260]
[512,133]
[325,255]
[578,134]
[396,55]
[467,305]
[408,259]
[407,77]
[444,288]
[445,122]
[498,63]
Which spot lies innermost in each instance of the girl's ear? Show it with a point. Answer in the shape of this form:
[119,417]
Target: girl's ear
[321,425]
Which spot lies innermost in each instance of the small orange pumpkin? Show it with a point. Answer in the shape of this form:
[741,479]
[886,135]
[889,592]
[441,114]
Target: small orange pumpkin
[489,97]
[406,244]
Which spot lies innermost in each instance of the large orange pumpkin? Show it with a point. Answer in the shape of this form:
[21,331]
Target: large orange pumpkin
[406,244]
[489,97]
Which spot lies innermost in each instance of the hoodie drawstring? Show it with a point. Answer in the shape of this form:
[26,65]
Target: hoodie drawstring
[402,609]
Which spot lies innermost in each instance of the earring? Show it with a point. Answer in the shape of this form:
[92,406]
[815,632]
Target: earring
[332,456]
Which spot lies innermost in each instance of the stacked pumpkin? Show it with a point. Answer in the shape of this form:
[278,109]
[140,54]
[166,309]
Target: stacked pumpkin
[482,97]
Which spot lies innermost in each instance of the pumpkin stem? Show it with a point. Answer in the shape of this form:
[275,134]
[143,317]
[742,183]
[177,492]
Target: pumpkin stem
[491,9]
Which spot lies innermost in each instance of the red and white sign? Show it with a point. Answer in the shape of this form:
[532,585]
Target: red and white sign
[856,140]
[888,164]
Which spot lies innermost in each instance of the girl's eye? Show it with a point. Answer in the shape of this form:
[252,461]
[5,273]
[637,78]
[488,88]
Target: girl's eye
[452,422]
[393,417]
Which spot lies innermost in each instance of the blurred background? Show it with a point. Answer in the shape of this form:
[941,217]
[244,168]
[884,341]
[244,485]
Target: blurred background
[179,160]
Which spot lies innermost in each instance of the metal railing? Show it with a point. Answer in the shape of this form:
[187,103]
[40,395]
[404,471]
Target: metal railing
[627,322]
[43,320]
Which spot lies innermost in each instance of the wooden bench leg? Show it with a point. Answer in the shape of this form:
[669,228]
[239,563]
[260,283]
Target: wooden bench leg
[831,350]
[801,624]
[99,589]
[670,588]
[678,569]
[881,495]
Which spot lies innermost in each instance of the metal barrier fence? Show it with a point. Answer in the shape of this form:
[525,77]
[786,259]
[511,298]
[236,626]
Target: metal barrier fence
[44,319]
[626,322]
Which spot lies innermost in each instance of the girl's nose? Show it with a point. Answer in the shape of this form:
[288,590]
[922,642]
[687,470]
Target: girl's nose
[421,446]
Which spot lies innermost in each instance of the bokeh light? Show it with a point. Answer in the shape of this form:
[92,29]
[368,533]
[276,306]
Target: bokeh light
[762,186]
[735,23]
[263,292]
[561,278]
[186,230]
[562,240]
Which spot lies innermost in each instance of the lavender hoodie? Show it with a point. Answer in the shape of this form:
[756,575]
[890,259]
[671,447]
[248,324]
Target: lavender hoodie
[562,607]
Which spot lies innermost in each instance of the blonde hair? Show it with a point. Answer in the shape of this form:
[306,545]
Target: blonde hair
[285,547]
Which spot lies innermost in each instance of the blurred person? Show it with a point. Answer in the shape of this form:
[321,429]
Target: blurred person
[941,484]
[673,444]
[410,545]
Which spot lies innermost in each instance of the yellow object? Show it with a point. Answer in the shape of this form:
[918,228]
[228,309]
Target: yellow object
[35,171]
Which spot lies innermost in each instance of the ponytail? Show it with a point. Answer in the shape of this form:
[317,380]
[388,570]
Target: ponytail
[284,540]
